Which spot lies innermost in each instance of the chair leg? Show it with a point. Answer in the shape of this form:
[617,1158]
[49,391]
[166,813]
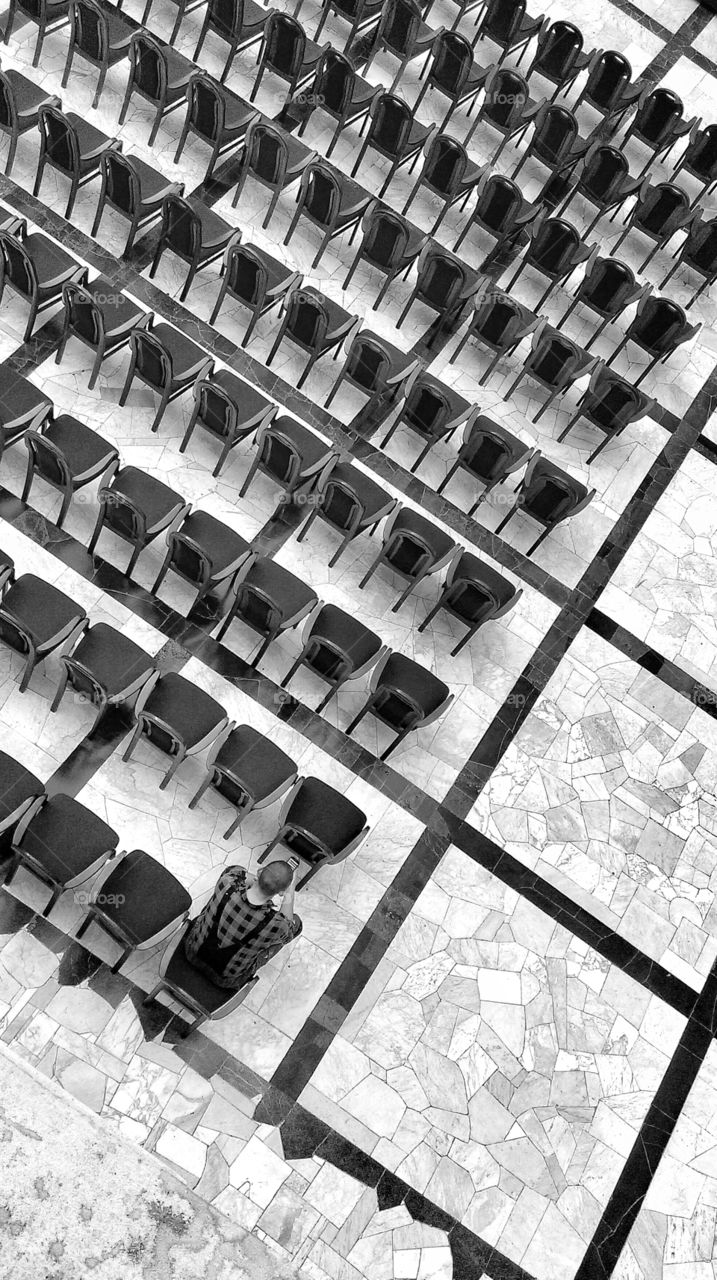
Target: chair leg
[60,690]
[100,86]
[181,754]
[505,519]
[333,390]
[133,741]
[537,542]
[405,594]
[155,127]
[160,412]
[182,139]
[68,66]
[188,282]
[430,616]
[272,845]
[163,572]
[11,154]
[66,500]
[494,362]
[125,100]
[371,570]
[357,718]
[447,479]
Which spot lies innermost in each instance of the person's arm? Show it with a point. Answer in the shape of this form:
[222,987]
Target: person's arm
[287,902]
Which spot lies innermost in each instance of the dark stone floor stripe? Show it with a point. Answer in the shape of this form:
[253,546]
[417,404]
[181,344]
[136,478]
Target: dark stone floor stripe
[645,656]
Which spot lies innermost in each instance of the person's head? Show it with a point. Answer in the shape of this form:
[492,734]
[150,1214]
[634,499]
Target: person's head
[275,878]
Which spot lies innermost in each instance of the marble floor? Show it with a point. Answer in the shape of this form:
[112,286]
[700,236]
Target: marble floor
[490,1054]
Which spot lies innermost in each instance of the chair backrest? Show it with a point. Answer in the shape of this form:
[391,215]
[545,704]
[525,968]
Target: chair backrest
[188,559]
[37,9]
[335,76]
[700,248]
[408,553]
[226,17]
[604,171]
[340,504]
[452,61]
[18,266]
[498,203]
[247,277]
[701,155]
[48,460]
[59,140]
[385,238]
[89,33]
[485,451]
[148,66]
[608,77]
[440,280]
[207,107]
[367,362]
[548,498]
[266,152]
[554,133]
[217,411]
[552,248]
[121,182]
[506,95]
[426,410]
[8,108]
[658,324]
[284,43]
[502,19]
[390,124]
[152,360]
[400,25]
[181,227]
[659,112]
[551,358]
[122,515]
[607,283]
[307,319]
[279,455]
[660,205]
[559,47]
[445,164]
[84,315]
[320,193]
[258,609]
[612,401]
[496,318]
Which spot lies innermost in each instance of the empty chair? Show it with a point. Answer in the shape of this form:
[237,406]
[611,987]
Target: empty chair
[659,328]
[23,407]
[609,288]
[67,455]
[556,140]
[204,552]
[19,789]
[36,619]
[291,455]
[453,73]
[60,843]
[339,90]
[475,594]
[444,284]
[36,268]
[699,159]
[432,410]
[403,34]
[73,148]
[285,52]
[358,13]
[318,824]
[447,173]
[229,409]
[215,116]
[500,208]
[239,23]
[660,212]
[20,103]
[272,158]
[135,190]
[137,508]
[464,8]
[548,495]
[106,668]
[393,133]
[555,250]
[499,323]
[157,74]
[315,324]
[49,15]
[270,600]
[555,362]
[375,367]
[506,106]
[336,647]
[351,502]
[506,23]
[138,904]
[7,572]
[413,547]
[610,404]
[404,696]
[609,88]
[559,55]
[490,454]
[99,316]
[329,200]
[389,244]
[603,179]
[658,124]
[196,234]
[192,987]
[699,252]
[166,360]
[177,717]
[256,280]
[249,770]
[98,37]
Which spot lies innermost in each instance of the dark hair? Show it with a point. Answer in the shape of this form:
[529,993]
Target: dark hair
[275,878]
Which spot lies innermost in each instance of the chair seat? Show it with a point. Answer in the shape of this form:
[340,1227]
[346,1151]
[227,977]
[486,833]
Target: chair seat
[311,447]
[472,568]
[52,264]
[155,499]
[277,273]
[28,96]
[153,184]
[187,357]
[185,977]
[216,233]
[332,819]
[250,401]
[409,522]
[260,766]
[415,681]
[141,898]
[20,401]
[220,543]
[89,138]
[370,494]
[284,588]
[66,839]
[119,35]
[120,314]
[114,660]
[43,610]
[337,315]
[190,711]
[457,404]
[17,785]
[179,71]
[344,630]
[87,454]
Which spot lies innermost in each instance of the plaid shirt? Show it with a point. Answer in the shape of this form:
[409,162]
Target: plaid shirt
[238,918]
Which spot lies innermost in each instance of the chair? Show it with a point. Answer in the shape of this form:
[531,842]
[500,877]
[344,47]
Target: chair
[338,90]
[699,159]
[351,502]
[20,103]
[23,407]
[475,594]
[413,547]
[375,367]
[99,316]
[285,52]
[274,159]
[609,288]
[329,200]
[404,696]
[506,106]
[19,789]
[660,212]
[433,411]
[7,572]
[249,770]
[558,56]
[315,324]
[135,190]
[699,252]
[548,495]
[358,13]
[556,141]
[98,37]
[106,668]
[177,717]
[610,404]
[256,280]
[337,648]
[196,234]
[229,409]
[608,88]
[36,268]
[68,455]
[389,244]
[166,360]
[394,133]
[62,844]
[603,179]
[49,15]
[191,987]
[444,284]
[139,904]
[73,147]
[658,124]
[291,455]
[447,173]
[555,362]
[204,552]
[659,328]
[500,208]
[499,323]
[555,250]
[490,453]
[183,8]
[505,23]
[402,32]
[216,116]
[137,508]
[157,74]
[36,619]
[320,825]
[240,23]
[453,73]
[270,600]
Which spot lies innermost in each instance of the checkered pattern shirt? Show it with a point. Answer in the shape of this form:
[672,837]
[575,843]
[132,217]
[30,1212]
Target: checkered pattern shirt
[238,918]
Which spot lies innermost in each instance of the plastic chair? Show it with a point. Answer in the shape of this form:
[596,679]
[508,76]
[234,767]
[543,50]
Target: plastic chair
[659,328]
[240,23]
[286,52]
[329,200]
[73,148]
[254,279]
[402,33]
[62,844]
[20,103]
[177,717]
[191,988]
[274,159]
[505,23]
[603,179]
[559,55]
[138,904]
[157,74]
[37,269]
[249,770]
[608,88]
[608,288]
[291,455]
[23,408]
[135,190]
[500,209]
[699,159]
[98,37]
[196,234]
[338,90]
[555,362]
[215,116]
[661,211]
[49,15]
[315,324]
[555,250]
[414,548]
[699,252]
[610,404]
[433,411]
[499,323]
[447,173]
[36,619]
[453,73]
[204,552]
[351,502]
[99,316]
[19,789]
[444,284]
[506,106]
[388,244]
[270,600]
[658,124]
[376,368]
[394,134]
